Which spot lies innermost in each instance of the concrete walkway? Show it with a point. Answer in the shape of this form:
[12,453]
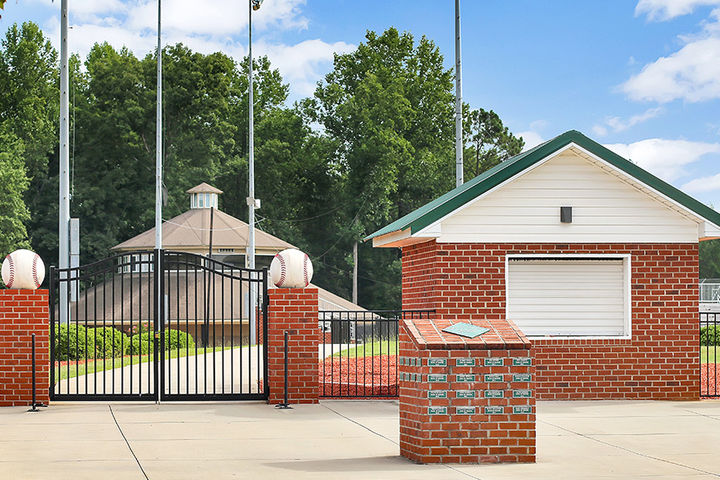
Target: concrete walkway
[347,440]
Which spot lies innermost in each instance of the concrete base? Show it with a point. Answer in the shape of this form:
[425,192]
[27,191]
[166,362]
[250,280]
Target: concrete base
[345,439]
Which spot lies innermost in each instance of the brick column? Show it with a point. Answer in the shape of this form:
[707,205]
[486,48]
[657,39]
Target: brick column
[22,313]
[466,400]
[294,310]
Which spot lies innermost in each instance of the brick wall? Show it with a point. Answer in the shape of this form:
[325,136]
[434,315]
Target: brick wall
[294,310]
[465,401]
[660,361]
[22,313]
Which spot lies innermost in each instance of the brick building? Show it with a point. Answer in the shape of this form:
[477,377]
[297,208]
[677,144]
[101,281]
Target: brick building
[592,257]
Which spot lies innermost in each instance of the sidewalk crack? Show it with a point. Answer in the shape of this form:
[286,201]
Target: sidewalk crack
[128,443]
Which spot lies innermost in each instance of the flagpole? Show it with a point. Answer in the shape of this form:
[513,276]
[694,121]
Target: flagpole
[64,161]
[458,102]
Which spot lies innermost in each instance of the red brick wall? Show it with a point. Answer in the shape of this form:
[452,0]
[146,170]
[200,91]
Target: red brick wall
[22,313]
[294,310]
[660,361]
[492,431]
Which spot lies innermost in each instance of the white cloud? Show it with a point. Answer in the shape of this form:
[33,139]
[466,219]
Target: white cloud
[531,138]
[302,64]
[216,17]
[703,184]
[665,158]
[617,124]
[691,74]
[660,10]
[205,27]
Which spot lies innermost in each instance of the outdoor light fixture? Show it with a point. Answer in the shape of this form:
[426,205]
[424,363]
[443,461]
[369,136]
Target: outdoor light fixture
[256,4]
[566,214]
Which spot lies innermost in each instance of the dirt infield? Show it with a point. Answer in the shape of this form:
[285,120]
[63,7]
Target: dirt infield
[359,376]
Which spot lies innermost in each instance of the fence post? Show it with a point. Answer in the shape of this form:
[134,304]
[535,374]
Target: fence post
[285,404]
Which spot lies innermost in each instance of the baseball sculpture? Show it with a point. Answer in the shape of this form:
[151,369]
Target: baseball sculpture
[23,269]
[291,268]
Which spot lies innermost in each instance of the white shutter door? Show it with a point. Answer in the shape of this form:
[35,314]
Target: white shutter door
[567,297]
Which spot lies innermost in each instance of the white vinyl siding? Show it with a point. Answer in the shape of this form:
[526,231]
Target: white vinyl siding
[568,296]
[606,209]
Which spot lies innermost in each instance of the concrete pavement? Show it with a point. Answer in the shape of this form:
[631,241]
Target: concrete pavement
[344,439]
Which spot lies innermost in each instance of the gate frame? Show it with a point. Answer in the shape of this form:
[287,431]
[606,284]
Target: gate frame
[158,393]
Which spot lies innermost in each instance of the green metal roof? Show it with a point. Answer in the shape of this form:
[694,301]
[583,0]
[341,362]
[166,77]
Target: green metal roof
[454,199]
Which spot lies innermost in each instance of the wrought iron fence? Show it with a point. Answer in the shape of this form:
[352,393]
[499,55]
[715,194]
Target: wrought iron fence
[359,352]
[709,354]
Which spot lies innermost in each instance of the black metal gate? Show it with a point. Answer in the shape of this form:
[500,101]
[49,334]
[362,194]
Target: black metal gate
[158,325]
[709,355]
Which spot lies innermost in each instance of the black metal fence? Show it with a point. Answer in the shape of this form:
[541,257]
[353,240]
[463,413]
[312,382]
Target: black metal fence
[158,325]
[709,354]
[359,351]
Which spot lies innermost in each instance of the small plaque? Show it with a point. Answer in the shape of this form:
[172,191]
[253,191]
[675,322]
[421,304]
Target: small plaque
[494,377]
[437,362]
[493,362]
[466,330]
[464,377]
[493,394]
[522,361]
[437,394]
[523,410]
[465,362]
[522,393]
[437,410]
[464,410]
[494,410]
[522,377]
[435,377]
[465,394]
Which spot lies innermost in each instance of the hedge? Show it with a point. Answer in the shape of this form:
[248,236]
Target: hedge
[710,335]
[143,343]
[75,342]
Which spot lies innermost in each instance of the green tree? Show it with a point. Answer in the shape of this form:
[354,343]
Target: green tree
[13,184]
[487,141]
[710,259]
[29,111]
[387,110]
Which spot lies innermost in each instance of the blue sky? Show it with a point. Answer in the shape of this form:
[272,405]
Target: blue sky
[642,77]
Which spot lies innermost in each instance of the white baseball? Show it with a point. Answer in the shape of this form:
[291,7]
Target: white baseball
[291,268]
[23,269]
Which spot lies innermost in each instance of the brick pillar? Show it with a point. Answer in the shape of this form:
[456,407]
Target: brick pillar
[294,310]
[22,313]
[465,400]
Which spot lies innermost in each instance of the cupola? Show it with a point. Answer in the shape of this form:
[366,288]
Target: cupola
[204,196]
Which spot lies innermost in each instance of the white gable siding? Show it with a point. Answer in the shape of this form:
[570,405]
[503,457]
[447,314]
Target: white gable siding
[605,209]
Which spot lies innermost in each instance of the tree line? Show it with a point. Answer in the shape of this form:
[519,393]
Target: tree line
[374,142]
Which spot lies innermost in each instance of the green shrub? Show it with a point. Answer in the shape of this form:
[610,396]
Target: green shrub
[108,342]
[143,343]
[67,346]
[710,335]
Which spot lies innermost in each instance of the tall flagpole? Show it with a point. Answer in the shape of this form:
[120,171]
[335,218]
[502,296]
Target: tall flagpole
[64,180]
[458,102]
[158,138]
[160,316]
[251,149]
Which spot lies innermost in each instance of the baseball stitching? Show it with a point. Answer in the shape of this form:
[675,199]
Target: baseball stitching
[282,270]
[305,275]
[12,272]
[35,277]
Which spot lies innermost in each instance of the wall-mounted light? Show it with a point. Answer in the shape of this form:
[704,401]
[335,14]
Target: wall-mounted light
[566,214]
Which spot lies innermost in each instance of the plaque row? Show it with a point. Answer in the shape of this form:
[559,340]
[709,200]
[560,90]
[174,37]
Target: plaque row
[465,362]
[490,410]
[466,377]
[493,393]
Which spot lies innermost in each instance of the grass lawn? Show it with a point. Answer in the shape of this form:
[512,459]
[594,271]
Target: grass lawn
[384,347]
[710,355]
[99,364]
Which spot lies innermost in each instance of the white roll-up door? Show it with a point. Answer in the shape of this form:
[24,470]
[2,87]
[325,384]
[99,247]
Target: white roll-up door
[567,297]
